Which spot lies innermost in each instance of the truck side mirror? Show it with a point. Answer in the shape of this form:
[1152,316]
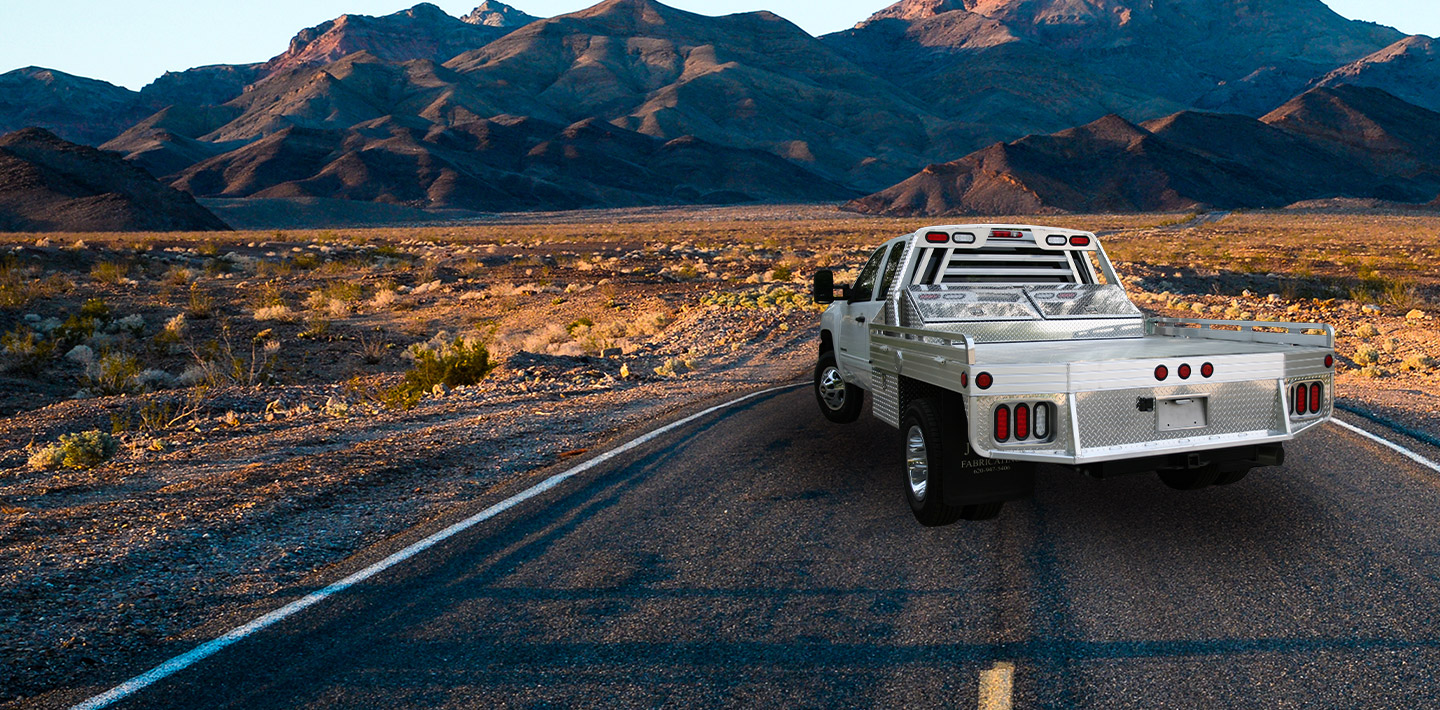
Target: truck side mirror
[824,289]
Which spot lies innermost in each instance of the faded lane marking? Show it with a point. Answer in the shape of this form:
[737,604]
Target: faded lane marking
[1417,458]
[997,687]
[210,648]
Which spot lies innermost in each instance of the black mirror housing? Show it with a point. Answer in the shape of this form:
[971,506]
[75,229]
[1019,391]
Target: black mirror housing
[824,289]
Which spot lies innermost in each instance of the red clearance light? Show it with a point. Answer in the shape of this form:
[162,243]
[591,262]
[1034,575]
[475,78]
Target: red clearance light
[1207,369]
[1185,372]
[1329,361]
[937,238]
[1002,423]
[1079,241]
[964,379]
[1301,406]
[1007,234]
[1315,399]
[1162,372]
[1022,421]
[984,380]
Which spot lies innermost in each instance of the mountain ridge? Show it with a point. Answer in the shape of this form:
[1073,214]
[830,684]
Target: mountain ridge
[1192,160]
[49,184]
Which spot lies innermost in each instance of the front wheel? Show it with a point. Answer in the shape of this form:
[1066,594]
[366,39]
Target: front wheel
[925,463]
[840,401]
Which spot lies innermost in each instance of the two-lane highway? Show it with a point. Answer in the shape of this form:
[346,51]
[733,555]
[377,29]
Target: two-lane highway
[764,557]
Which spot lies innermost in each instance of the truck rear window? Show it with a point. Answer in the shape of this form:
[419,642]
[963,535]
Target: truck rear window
[939,266]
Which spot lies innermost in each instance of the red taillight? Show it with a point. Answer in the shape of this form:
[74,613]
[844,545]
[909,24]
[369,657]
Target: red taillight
[937,238]
[1329,361]
[1185,372]
[964,379]
[1022,421]
[1315,398]
[1162,372]
[1207,369]
[984,380]
[1079,241]
[1301,394]
[1007,234]
[1002,423]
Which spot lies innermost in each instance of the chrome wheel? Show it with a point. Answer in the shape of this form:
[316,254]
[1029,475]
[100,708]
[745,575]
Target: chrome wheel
[917,462]
[832,389]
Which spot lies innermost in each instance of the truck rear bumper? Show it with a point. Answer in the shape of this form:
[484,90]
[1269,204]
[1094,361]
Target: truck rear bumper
[1154,450]
[1101,426]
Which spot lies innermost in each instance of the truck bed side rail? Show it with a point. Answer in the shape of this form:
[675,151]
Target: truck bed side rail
[940,344]
[1298,334]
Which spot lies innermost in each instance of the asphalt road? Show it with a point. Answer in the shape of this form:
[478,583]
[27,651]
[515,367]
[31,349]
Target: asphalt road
[764,557]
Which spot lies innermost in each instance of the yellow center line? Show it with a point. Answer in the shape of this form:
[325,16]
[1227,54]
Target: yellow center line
[997,686]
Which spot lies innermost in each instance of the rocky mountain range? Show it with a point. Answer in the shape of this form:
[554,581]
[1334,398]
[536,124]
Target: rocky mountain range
[633,102]
[1351,141]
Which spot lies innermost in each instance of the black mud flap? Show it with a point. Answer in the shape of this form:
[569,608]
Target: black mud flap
[973,479]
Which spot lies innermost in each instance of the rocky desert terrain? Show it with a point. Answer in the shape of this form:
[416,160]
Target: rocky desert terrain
[194,423]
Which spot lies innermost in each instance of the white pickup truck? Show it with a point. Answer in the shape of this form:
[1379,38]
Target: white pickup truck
[994,348]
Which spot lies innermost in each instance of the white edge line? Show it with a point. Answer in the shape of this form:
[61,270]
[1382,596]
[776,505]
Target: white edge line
[1417,458]
[210,648]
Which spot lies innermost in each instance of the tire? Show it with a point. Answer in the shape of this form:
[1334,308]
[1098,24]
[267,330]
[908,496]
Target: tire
[1191,479]
[925,462]
[839,400]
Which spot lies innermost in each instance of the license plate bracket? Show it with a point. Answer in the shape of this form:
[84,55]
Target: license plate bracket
[1182,413]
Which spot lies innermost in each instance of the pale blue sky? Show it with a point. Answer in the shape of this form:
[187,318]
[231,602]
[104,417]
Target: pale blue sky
[131,43]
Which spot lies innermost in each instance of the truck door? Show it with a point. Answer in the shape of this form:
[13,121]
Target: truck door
[867,297]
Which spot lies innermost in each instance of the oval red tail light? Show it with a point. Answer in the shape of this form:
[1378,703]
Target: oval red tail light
[1079,241]
[937,238]
[1022,421]
[1162,373]
[1316,400]
[1002,423]
[1301,395]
